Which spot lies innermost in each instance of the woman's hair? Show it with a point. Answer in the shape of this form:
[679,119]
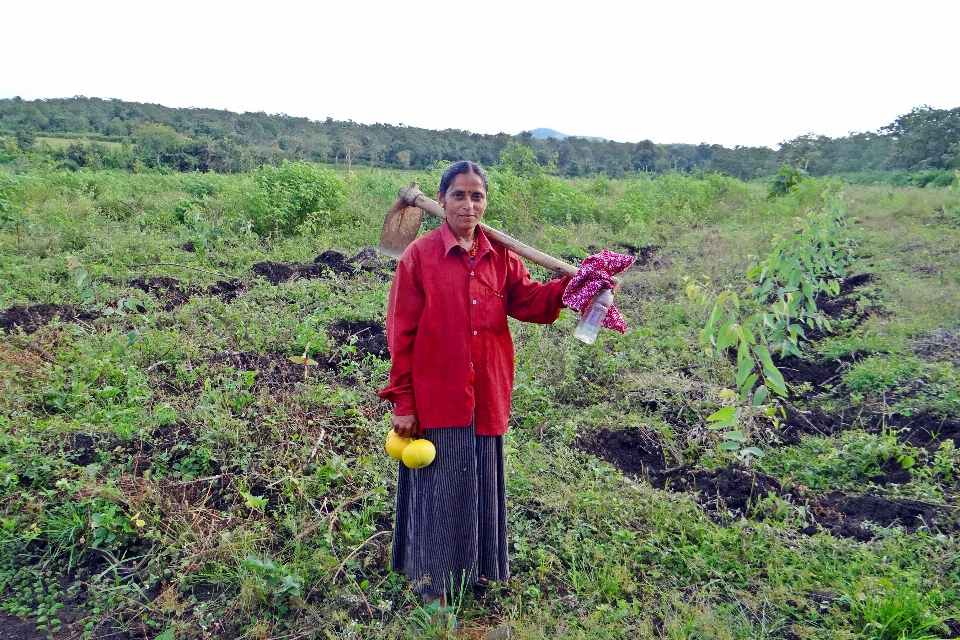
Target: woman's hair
[464,166]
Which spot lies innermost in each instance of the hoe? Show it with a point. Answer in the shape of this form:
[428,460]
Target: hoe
[403,220]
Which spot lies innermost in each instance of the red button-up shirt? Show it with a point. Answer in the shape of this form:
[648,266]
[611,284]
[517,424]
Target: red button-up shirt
[450,345]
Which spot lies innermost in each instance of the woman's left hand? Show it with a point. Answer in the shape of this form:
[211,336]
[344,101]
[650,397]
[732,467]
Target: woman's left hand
[405,426]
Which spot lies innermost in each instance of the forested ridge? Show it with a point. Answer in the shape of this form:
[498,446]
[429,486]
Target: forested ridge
[189,139]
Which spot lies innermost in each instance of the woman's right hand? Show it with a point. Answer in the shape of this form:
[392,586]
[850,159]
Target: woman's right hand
[405,426]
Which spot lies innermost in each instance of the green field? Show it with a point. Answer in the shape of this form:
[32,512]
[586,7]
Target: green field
[63,143]
[167,470]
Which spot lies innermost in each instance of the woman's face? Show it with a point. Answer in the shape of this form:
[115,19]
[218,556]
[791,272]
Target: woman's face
[465,201]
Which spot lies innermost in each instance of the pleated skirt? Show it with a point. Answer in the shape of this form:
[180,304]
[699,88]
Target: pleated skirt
[451,519]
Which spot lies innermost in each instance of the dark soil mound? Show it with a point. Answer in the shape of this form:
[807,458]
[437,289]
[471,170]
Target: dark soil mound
[920,429]
[731,489]
[796,371]
[82,450]
[851,283]
[892,472]
[277,272]
[366,336]
[813,422]
[740,490]
[335,261]
[366,259]
[274,272]
[168,291]
[644,257]
[30,318]
[275,372]
[630,450]
[228,290]
[327,263]
[843,307]
[844,515]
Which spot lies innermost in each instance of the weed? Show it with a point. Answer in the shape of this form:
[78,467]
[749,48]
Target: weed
[895,611]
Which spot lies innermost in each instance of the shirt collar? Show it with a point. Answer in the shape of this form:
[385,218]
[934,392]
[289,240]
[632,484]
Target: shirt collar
[450,241]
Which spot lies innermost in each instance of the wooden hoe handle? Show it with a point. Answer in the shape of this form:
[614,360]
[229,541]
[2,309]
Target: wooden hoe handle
[413,197]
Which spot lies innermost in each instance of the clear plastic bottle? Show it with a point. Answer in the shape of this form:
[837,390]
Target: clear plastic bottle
[591,318]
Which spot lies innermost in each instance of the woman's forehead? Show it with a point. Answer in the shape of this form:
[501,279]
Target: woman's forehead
[467,182]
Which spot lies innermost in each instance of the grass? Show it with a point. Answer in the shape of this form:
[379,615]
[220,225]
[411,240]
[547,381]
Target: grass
[147,476]
[63,143]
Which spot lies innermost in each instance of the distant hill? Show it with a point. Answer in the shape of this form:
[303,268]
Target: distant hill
[543,133]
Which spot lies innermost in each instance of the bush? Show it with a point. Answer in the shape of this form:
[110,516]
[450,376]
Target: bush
[561,203]
[671,197]
[291,194]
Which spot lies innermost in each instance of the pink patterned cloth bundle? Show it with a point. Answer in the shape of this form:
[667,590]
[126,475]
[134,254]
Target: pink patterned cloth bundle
[595,273]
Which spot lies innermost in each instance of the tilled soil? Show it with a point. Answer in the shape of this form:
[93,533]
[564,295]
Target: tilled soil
[13,628]
[365,336]
[276,372]
[327,263]
[169,291]
[173,294]
[741,490]
[30,318]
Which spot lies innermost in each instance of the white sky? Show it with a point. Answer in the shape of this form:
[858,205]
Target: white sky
[745,72]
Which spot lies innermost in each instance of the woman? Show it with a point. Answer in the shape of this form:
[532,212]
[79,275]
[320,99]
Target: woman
[450,382]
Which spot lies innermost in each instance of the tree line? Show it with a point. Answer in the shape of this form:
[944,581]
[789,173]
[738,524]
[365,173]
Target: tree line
[188,139]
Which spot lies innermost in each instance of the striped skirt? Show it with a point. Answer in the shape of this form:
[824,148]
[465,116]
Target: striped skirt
[451,521]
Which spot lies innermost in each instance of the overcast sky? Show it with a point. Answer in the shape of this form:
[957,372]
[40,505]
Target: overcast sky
[728,72]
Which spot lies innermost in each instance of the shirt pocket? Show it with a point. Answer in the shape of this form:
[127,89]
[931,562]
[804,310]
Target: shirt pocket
[493,313]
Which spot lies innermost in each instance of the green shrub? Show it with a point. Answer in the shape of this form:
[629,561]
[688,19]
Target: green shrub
[293,193]
[561,203]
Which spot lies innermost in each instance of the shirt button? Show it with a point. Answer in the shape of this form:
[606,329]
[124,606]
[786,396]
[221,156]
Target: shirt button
[471,273]
[474,302]
[474,333]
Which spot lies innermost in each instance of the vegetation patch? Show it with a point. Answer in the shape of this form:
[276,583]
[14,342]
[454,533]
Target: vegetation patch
[195,449]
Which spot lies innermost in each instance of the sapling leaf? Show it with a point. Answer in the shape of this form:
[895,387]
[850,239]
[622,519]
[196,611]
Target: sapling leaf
[730,446]
[760,396]
[754,451]
[725,337]
[774,379]
[715,315]
[745,366]
[764,355]
[747,387]
[724,413]
[735,436]
[723,424]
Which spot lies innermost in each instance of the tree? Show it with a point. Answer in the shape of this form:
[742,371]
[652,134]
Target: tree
[374,147]
[404,158]
[25,139]
[154,140]
[923,137]
[351,146]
